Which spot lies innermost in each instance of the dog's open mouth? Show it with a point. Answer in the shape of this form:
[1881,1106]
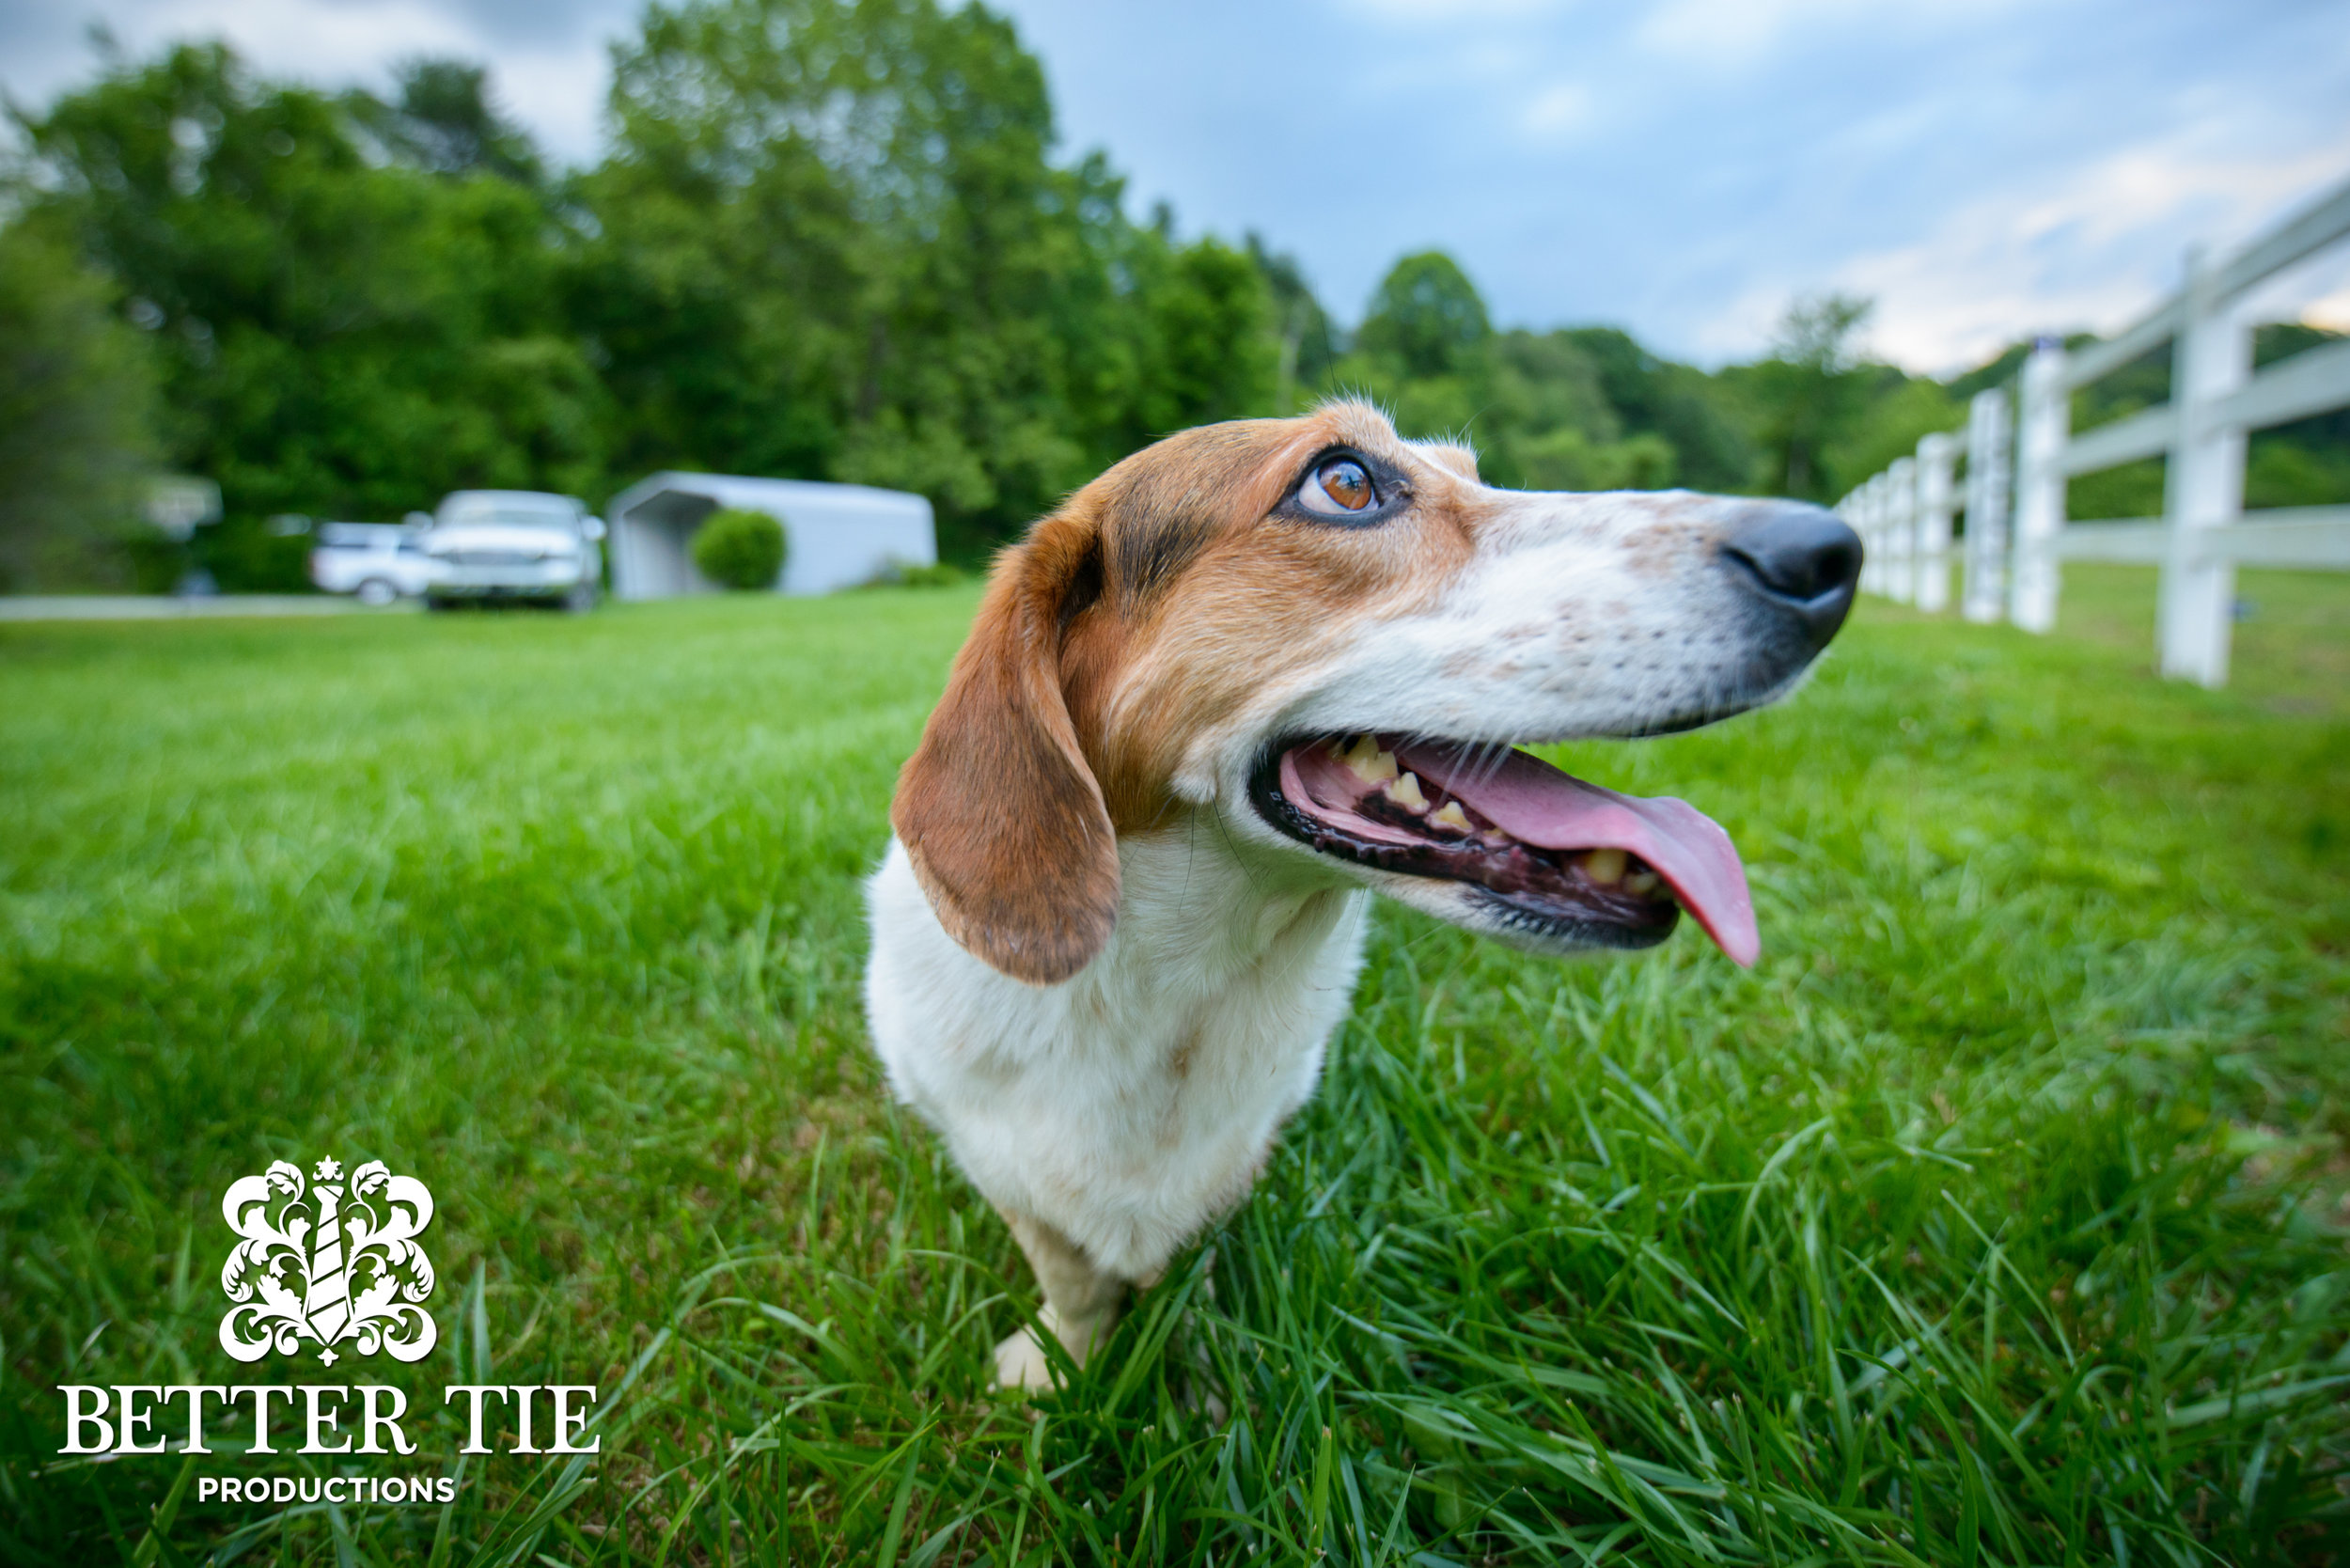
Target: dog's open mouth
[1564,858]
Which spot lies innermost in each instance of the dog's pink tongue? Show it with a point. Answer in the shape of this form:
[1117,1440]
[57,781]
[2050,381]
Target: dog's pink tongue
[1529,799]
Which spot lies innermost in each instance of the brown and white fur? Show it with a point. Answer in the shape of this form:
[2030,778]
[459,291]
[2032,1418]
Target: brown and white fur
[1097,969]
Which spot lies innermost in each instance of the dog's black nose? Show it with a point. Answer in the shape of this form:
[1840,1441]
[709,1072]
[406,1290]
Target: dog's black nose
[1801,558]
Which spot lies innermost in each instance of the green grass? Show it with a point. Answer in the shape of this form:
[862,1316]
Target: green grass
[2291,649]
[1993,1218]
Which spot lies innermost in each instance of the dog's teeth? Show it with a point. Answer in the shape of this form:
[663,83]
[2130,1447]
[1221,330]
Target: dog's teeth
[1404,791]
[1604,865]
[1642,882]
[1367,761]
[1450,815]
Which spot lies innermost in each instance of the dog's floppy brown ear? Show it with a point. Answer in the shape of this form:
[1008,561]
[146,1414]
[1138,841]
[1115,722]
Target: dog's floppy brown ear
[997,809]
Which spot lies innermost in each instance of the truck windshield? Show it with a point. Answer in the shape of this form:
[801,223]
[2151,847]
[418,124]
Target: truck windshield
[512,513]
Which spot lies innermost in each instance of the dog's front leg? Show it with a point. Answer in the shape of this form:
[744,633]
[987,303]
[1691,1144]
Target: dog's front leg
[1081,1305]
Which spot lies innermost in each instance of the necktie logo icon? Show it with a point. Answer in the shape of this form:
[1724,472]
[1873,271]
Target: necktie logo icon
[333,1261]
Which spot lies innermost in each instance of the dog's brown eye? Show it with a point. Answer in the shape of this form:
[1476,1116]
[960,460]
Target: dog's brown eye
[1337,487]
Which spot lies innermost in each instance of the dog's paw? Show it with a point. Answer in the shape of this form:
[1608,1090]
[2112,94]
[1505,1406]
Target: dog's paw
[1021,1365]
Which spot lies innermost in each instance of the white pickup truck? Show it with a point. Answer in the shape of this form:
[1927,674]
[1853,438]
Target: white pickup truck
[376,563]
[512,544]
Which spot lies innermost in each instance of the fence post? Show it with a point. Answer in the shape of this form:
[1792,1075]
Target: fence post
[1872,534]
[1881,515]
[1849,509]
[1860,525]
[1937,455]
[2042,427]
[1901,483]
[2204,488]
[1986,589]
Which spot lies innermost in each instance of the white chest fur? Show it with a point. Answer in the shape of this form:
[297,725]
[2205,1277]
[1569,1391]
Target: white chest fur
[1131,1104]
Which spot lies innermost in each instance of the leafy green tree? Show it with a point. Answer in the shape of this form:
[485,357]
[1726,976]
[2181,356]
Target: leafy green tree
[1894,412]
[1214,338]
[1807,392]
[1687,410]
[336,337]
[1580,410]
[1427,317]
[1307,340]
[833,244]
[445,122]
[1423,351]
[1543,421]
[76,406]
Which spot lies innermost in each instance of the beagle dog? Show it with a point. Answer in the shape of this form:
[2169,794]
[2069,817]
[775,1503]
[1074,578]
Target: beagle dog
[1246,678]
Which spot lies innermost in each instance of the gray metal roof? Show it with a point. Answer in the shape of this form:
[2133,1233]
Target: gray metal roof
[780,496]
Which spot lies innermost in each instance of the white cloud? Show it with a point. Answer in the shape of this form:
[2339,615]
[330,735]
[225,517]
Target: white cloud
[554,85]
[1558,111]
[560,93]
[2093,247]
[1455,10]
[1736,32]
[300,38]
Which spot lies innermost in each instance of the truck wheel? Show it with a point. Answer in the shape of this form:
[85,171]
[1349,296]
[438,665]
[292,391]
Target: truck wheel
[580,600]
[376,593]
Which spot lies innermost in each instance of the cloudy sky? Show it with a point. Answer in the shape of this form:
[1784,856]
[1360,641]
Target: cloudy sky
[1983,169]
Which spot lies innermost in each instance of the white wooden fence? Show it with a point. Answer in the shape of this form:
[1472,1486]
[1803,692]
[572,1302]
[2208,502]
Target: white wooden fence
[2016,537]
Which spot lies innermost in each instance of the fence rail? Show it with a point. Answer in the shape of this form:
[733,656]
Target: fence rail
[2016,465]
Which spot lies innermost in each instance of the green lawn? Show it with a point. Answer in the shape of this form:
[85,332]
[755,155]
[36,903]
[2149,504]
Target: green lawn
[1995,1218]
[2291,645]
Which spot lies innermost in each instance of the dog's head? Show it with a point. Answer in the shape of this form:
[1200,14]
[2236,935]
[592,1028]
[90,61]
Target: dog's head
[1332,638]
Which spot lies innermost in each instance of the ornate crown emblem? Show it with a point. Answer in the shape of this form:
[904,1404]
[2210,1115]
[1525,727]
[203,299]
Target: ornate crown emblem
[335,1263]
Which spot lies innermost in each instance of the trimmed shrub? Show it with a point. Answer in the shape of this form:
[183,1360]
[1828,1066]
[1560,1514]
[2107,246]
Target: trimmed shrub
[740,549]
[903,573]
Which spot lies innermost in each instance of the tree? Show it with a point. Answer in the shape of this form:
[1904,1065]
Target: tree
[1809,390]
[335,337]
[446,122]
[833,244]
[1895,409]
[1308,344]
[76,401]
[1424,351]
[1679,405]
[1427,317]
[1577,410]
[1213,343]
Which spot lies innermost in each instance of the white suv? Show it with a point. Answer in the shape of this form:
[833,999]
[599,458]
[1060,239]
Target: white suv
[513,544]
[376,563]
